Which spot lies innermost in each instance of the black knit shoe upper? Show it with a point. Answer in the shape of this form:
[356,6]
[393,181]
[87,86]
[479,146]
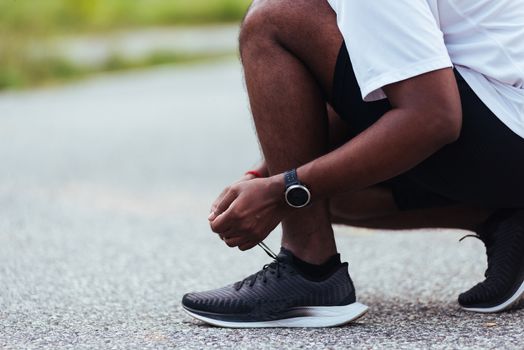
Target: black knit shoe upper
[503,236]
[271,292]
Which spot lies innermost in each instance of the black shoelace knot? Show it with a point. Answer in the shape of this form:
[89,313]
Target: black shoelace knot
[273,267]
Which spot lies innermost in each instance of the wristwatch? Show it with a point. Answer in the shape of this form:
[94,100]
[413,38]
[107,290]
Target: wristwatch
[297,195]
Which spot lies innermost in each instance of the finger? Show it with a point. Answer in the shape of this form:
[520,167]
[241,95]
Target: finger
[247,245]
[224,222]
[222,232]
[235,241]
[223,205]
[218,200]
[231,234]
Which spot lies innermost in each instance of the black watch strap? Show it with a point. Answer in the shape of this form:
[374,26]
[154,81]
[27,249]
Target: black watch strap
[291,178]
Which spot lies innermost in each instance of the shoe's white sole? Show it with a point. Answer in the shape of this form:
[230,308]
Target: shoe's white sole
[507,305]
[317,316]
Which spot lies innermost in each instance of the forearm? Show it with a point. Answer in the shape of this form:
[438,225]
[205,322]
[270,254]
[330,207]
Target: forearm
[400,140]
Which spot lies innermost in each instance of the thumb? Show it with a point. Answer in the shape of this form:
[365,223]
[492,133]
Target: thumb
[222,206]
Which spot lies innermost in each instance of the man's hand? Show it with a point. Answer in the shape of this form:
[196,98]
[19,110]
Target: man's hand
[245,177]
[246,212]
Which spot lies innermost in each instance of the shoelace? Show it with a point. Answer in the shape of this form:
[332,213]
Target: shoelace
[472,236]
[275,265]
[488,250]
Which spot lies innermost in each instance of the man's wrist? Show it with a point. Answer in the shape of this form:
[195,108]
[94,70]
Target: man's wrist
[276,186]
[297,195]
[254,173]
[259,171]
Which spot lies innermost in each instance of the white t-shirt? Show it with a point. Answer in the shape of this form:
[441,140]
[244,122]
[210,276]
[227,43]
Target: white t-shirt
[393,40]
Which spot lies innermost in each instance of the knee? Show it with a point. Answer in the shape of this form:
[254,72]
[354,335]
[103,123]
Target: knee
[259,24]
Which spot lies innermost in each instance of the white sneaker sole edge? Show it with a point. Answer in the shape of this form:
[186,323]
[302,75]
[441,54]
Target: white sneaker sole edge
[508,304]
[318,316]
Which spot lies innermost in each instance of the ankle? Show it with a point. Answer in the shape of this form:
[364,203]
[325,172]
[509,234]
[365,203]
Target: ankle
[315,272]
[317,256]
[309,236]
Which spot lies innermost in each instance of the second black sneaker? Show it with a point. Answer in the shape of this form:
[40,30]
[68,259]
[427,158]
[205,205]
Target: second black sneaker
[279,296]
[503,288]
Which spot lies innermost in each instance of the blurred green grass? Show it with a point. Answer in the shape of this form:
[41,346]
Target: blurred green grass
[23,22]
[58,16]
[54,70]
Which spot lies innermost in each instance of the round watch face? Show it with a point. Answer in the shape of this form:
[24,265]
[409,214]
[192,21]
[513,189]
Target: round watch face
[297,196]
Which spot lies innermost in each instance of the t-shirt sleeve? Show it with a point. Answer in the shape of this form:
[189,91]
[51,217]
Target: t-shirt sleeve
[389,41]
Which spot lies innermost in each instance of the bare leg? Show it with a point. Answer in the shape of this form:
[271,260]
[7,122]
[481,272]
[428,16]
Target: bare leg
[289,57]
[375,208]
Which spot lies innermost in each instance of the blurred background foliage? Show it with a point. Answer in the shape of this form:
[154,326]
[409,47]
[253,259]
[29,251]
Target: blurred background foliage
[58,16]
[26,22]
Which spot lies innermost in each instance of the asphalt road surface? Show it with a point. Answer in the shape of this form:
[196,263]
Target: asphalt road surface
[105,187]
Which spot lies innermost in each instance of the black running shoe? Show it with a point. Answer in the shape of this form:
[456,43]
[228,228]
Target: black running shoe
[503,288]
[279,296]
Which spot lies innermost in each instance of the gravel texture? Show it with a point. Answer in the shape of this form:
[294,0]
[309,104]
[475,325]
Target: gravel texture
[104,193]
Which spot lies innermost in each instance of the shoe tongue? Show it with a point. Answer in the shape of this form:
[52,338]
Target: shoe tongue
[285,255]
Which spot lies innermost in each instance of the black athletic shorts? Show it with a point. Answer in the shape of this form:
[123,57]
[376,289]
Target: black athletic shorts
[483,168]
